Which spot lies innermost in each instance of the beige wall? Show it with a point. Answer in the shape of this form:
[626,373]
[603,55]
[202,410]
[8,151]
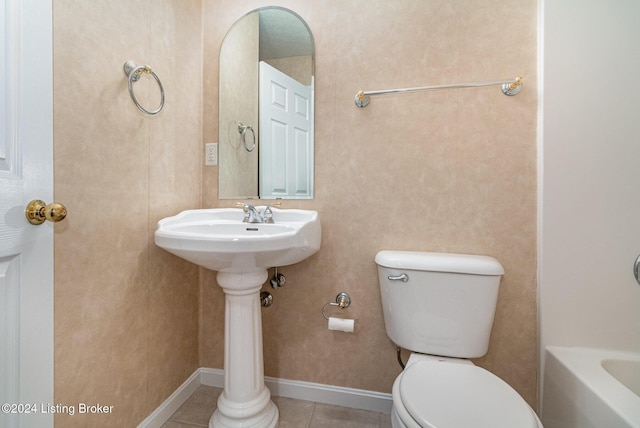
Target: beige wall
[239,170]
[126,318]
[451,171]
[296,67]
[443,171]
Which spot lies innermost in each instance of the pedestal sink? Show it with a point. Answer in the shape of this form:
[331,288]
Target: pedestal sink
[217,239]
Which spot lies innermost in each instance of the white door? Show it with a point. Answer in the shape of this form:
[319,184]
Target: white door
[26,251]
[286,136]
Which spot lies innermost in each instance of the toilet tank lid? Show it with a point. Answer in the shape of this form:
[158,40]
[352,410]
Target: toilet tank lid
[440,262]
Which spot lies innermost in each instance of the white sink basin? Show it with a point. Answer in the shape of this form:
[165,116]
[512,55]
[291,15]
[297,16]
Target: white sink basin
[217,239]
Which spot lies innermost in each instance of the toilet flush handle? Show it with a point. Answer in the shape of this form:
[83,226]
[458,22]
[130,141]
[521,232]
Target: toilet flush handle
[402,277]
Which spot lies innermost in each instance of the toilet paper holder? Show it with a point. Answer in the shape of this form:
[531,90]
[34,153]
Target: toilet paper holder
[343,300]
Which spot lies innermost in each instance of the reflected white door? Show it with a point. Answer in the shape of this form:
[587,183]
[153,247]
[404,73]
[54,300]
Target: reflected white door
[26,251]
[286,136]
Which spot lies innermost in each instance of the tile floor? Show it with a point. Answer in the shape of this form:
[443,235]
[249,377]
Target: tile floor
[197,410]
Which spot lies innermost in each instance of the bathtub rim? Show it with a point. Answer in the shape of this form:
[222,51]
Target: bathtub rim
[585,364]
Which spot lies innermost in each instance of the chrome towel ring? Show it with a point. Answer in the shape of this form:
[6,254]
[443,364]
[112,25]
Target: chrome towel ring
[133,72]
[242,129]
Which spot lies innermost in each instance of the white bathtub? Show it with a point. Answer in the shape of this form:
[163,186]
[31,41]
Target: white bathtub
[591,388]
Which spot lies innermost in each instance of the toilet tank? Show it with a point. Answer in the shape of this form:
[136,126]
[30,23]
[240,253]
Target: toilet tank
[445,306]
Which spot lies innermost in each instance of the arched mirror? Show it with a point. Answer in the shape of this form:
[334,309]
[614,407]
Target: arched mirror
[266,137]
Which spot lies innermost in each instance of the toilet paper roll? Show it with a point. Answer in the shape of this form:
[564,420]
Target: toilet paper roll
[341,324]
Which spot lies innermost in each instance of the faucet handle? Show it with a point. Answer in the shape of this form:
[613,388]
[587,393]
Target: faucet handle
[246,210]
[268,214]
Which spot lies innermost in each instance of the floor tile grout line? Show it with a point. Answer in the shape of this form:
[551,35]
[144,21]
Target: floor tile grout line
[313,412]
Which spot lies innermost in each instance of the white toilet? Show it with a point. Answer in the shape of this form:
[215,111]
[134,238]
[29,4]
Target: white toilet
[441,307]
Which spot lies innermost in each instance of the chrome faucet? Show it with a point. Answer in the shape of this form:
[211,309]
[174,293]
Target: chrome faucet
[252,215]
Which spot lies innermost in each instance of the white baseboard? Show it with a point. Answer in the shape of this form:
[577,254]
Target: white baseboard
[309,391]
[169,406]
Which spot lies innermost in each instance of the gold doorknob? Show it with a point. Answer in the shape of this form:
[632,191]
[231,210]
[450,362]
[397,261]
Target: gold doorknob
[38,211]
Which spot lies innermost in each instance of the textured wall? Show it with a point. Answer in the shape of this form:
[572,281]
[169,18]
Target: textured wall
[450,171]
[442,171]
[238,95]
[126,321]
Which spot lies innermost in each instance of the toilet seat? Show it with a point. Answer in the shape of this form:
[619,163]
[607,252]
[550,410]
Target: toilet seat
[444,394]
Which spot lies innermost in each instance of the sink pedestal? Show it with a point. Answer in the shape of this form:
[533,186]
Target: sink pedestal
[245,401]
[240,252]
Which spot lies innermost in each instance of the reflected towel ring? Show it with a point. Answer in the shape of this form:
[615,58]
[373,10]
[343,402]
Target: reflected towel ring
[242,129]
[133,72]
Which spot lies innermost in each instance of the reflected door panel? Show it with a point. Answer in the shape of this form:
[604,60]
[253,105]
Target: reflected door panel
[286,136]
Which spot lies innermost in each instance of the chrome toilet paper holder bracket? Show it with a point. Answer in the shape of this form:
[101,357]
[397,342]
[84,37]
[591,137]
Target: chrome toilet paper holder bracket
[343,300]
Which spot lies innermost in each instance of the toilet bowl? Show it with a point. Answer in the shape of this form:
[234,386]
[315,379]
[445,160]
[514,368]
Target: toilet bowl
[441,307]
[435,392]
